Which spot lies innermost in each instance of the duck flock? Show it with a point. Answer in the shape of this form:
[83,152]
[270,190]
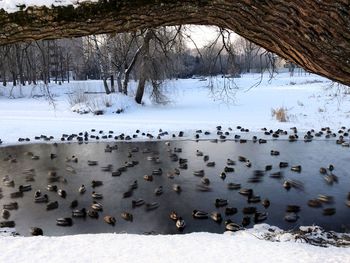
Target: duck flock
[227,183]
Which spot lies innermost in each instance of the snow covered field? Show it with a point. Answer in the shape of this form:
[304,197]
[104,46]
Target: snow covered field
[309,103]
[193,106]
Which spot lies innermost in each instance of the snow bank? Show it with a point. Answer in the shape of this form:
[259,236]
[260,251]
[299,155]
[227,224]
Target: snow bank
[196,247]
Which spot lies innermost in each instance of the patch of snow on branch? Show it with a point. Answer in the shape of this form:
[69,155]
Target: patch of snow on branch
[15,5]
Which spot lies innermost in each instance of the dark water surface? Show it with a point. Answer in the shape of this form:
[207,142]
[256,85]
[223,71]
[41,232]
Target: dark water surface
[311,156]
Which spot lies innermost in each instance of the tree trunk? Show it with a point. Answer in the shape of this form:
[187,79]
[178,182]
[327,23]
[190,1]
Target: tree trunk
[128,71]
[119,82]
[100,62]
[313,34]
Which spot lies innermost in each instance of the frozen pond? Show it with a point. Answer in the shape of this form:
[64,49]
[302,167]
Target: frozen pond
[305,185]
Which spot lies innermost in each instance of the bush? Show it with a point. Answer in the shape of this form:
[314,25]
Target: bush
[281,114]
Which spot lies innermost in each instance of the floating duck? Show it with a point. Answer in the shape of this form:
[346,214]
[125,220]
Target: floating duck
[291,217]
[97,206]
[9,224]
[199,214]
[231,226]
[79,212]
[151,206]
[93,214]
[109,220]
[62,193]
[205,181]
[41,198]
[36,231]
[231,210]
[74,204]
[219,202]
[25,188]
[329,211]
[249,210]
[95,195]
[11,206]
[52,188]
[199,173]
[82,189]
[158,190]
[96,183]
[260,217]
[177,188]
[64,221]
[233,186]
[52,205]
[127,216]
[138,202]
[293,208]
[180,224]
[203,188]
[173,216]
[246,221]
[5,214]
[296,168]
[265,203]
[148,178]
[314,203]
[216,216]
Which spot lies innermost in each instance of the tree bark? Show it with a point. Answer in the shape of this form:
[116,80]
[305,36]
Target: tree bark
[313,34]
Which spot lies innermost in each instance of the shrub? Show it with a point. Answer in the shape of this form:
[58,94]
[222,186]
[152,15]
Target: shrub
[281,114]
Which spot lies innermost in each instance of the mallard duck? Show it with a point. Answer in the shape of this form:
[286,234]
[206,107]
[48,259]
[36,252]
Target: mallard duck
[134,185]
[203,188]
[329,211]
[11,206]
[199,214]
[25,188]
[230,162]
[177,150]
[107,168]
[331,178]
[158,171]
[96,183]
[35,157]
[246,191]
[206,158]
[246,221]
[36,231]
[127,216]
[293,209]
[242,159]
[95,195]
[5,214]
[296,168]
[277,175]
[180,224]
[158,190]
[205,180]
[260,217]
[93,214]
[148,177]
[254,199]
[287,185]
[173,157]
[177,188]
[74,204]
[199,153]
[138,202]
[331,167]
[79,212]
[199,173]
[223,175]
[325,199]
[92,163]
[314,203]
[9,183]
[248,163]
[274,153]
[128,193]
[62,193]
[52,188]
[291,217]
[82,189]
[233,186]
[216,216]
[41,199]
[116,173]
[52,205]
[109,220]
[231,210]
[210,164]
[283,164]
[231,226]
[151,206]
[173,216]
[219,202]
[268,167]
[265,203]
[323,170]
[229,169]
[16,194]
[64,221]
[96,206]
[9,224]
[249,210]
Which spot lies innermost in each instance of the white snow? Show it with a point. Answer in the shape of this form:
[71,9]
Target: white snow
[310,105]
[15,5]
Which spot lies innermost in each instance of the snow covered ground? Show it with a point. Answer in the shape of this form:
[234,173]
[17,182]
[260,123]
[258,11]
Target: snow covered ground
[309,103]
[193,106]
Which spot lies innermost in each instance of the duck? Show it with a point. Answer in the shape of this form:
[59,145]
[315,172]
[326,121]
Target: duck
[260,217]
[97,206]
[248,163]
[9,224]
[92,163]
[274,153]
[62,193]
[180,224]
[203,188]
[216,216]
[231,226]
[223,175]
[230,162]
[277,175]
[74,204]
[11,206]
[314,203]
[242,159]
[177,188]
[246,191]
[17,194]
[64,221]
[148,178]
[52,188]
[82,189]
[52,205]
[293,209]
[116,173]
[283,164]
[5,214]
[254,199]
[158,171]
[127,216]
[323,170]
[329,211]
[158,190]
[199,173]
[199,153]
[199,214]
[205,181]
[325,198]
[229,169]
[96,183]
[206,158]
[231,211]
[296,168]
[219,202]
[109,220]
[210,164]
[249,210]
[36,231]
[25,188]
[93,214]
[151,206]
[291,217]
[79,212]
[246,221]
[174,216]
[128,193]
[41,198]
[137,202]
[107,168]
[265,203]
[95,195]
[287,185]
[233,186]
[268,167]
